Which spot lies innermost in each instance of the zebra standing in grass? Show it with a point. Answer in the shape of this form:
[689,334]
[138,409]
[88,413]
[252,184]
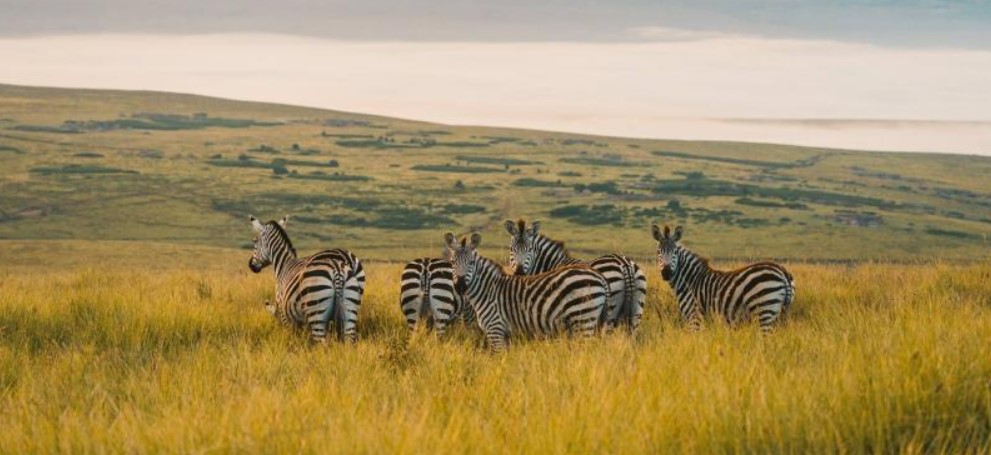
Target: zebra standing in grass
[312,291]
[764,289]
[532,252]
[427,292]
[567,299]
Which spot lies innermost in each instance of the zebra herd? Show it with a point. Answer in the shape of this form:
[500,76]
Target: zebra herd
[543,292]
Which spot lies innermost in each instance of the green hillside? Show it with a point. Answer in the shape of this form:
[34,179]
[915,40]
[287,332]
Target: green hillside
[181,169]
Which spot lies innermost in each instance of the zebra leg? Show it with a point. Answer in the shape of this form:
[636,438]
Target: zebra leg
[467,312]
[318,319]
[412,318]
[693,317]
[636,316]
[616,307]
[349,328]
[440,321]
[611,311]
[584,328]
[639,297]
[767,313]
[410,304]
[497,340]
[353,289]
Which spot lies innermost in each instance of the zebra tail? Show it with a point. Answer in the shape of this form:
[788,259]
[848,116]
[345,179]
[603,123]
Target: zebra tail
[629,291]
[340,313]
[425,313]
[604,314]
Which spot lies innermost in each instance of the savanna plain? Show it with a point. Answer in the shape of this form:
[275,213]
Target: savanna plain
[129,321]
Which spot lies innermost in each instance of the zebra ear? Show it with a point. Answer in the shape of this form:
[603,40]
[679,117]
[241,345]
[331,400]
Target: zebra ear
[678,232]
[476,240]
[534,227]
[255,223]
[284,221]
[656,232]
[450,241]
[511,228]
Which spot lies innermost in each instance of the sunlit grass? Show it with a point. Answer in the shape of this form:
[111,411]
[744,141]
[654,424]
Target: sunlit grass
[874,358]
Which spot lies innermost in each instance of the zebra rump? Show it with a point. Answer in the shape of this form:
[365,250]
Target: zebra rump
[427,293]
[313,291]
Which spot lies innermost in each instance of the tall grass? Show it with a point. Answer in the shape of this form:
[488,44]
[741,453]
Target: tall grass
[875,358]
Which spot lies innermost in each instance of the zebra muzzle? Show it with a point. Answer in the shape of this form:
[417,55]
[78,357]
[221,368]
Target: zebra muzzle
[255,266]
[460,286]
[666,272]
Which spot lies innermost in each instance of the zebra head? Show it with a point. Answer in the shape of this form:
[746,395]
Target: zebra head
[667,249]
[464,257]
[270,238]
[522,245]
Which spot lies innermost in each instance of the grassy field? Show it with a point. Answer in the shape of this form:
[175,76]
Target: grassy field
[130,323]
[875,358]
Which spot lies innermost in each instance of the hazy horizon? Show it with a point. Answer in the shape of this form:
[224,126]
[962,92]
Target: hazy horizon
[908,75]
[713,87]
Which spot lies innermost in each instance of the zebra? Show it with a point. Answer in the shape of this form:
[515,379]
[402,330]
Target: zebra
[566,299]
[765,289]
[532,252]
[312,290]
[427,292]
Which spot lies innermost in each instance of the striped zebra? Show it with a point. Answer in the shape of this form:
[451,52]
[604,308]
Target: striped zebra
[764,289]
[313,290]
[532,252]
[427,293]
[568,299]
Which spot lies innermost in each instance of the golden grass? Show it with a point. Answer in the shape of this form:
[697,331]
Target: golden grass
[875,358]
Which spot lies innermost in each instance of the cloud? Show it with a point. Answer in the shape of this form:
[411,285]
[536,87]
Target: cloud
[669,34]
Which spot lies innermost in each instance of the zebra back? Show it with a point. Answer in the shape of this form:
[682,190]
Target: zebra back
[567,299]
[762,290]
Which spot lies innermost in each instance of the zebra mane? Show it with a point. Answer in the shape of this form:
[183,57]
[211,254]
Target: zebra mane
[277,228]
[559,244]
[698,257]
[485,262]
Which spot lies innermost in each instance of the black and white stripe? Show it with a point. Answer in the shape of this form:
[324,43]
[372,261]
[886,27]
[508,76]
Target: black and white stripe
[532,253]
[568,299]
[313,291]
[763,290]
[427,293]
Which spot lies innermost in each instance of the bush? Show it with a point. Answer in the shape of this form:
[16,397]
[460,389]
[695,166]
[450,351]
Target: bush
[455,168]
[590,214]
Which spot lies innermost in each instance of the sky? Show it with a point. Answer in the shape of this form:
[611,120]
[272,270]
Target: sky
[911,75]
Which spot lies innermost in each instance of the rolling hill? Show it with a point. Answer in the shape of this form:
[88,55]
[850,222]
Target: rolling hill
[162,168]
